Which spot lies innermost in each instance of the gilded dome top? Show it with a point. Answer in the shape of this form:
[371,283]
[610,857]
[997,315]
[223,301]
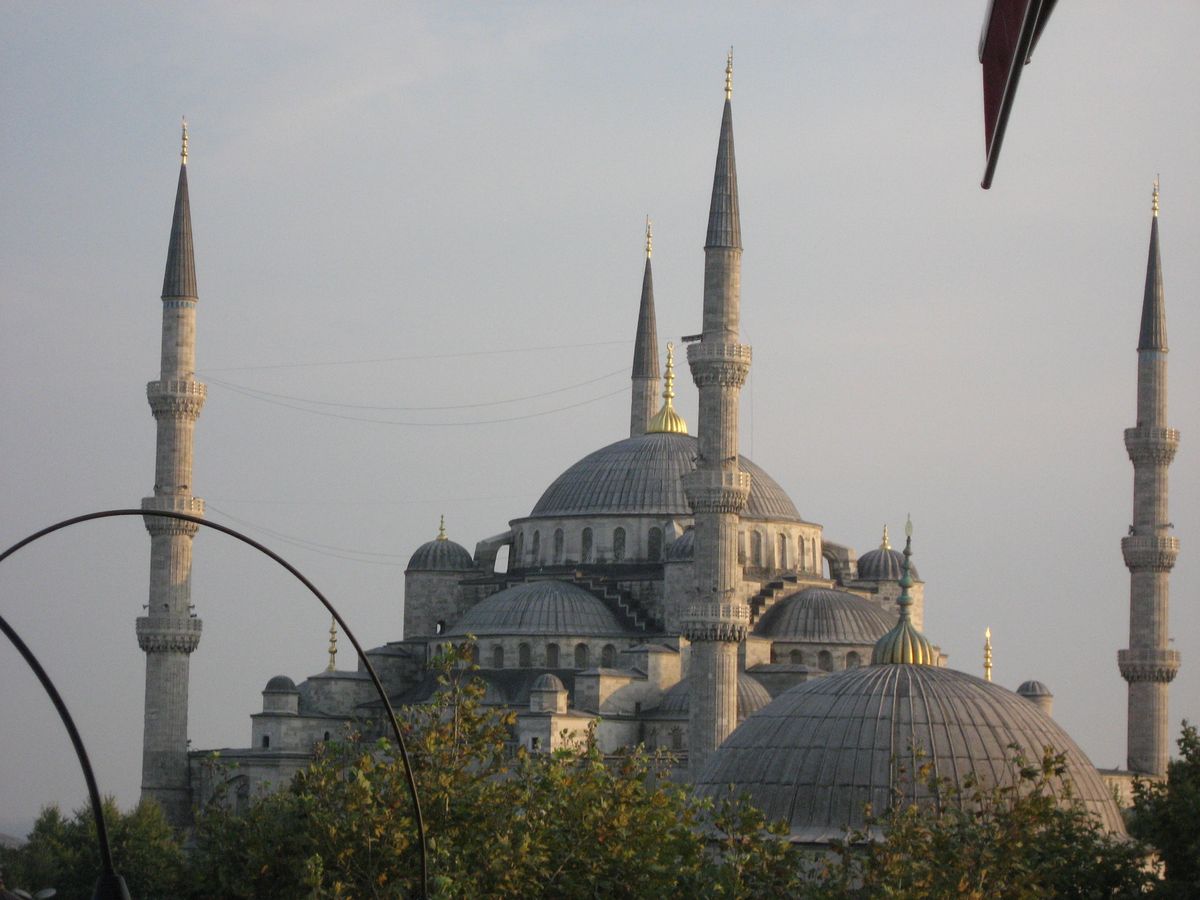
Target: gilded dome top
[643,475]
[825,616]
[541,608]
[824,749]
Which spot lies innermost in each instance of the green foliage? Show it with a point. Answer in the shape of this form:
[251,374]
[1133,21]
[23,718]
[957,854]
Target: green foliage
[1025,839]
[1167,816]
[63,854]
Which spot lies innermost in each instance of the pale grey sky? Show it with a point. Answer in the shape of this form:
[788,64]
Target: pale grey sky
[409,182]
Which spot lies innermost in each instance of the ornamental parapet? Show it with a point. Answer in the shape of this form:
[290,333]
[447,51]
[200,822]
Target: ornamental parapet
[721,364]
[1151,445]
[717,490]
[1148,664]
[178,398]
[160,634]
[1149,551]
[158,525]
[728,622]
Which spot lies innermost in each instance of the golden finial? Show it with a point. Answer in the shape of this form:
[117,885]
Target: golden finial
[1154,202]
[666,420]
[729,75]
[332,645]
[441,535]
[886,544]
[649,237]
[987,654]
[183,152]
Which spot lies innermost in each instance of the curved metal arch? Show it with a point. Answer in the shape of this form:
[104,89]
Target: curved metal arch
[77,741]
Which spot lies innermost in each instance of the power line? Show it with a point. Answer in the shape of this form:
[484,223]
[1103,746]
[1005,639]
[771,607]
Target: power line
[323,549]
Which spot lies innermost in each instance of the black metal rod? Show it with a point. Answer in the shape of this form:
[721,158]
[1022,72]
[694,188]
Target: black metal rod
[105,852]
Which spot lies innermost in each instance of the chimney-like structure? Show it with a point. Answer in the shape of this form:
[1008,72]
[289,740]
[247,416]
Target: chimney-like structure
[715,617]
[169,631]
[645,352]
[1149,549]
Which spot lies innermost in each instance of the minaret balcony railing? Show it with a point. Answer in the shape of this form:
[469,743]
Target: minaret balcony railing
[157,634]
[1151,444]
[178,387]
[1148,664]
[715,621]
[719,363]
[179,503]
[178,398]
[1150,551]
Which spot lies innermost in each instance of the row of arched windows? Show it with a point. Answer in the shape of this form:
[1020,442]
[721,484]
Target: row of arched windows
[654,546]
[582,656]
[806,553]
[824,659]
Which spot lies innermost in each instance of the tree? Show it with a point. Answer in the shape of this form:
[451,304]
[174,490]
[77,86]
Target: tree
[1166,815]
[1025,839]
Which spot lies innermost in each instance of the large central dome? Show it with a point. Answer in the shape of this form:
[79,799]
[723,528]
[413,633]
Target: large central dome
[643,476]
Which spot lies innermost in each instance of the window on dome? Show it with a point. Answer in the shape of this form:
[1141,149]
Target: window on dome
[552,656]
[498,657]
[581,656]
[618,544]
[536,548]
[439,627]
[781,563]
[523,656]
[654,544]
[608,656]
[825,661]
[558,546]
[853,661]
[587,545]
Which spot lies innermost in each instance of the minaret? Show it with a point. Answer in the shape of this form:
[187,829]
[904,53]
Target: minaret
[645,351]
[716,617]
[1149,664]
[169,632]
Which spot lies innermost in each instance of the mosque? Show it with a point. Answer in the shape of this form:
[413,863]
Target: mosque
[667,591]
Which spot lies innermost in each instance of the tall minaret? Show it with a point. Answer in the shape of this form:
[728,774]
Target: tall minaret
[715,618]
[1149,664]
[645,352]
[169,632]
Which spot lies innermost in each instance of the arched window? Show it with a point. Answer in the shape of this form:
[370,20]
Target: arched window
[440,626]
[676,738]
[608,656]
[654,544]
[558,546]
[781,562]
[552,656]
[618,544]
[852,660]
[520,561]
[498,657]
[587,545]
[581,656]
[796,658]
[537,548]
[266,742]
[523,656]
[803,554]
[825,661]
[502,559]
[756,557]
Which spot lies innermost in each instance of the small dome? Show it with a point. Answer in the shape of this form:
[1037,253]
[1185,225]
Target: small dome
[541,608]
[547,682]
[824,749]
[441,555]
[883,563]
[683,548]
[1034,689]
[280,684]
[751,697]
[824,616]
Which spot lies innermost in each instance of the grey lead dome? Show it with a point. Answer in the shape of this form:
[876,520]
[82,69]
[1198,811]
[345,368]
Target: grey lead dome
[441,555]
[823,750]
[825,616]
[643,476]
[541,608]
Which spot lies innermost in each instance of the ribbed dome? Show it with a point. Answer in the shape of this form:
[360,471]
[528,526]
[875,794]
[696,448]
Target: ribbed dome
[547,681]
[683,547]
[1034,689]
[541,608]
[441,555]
[280,684]
[642,476]
[883,565]
[824,616]
[825,748]
[751,697]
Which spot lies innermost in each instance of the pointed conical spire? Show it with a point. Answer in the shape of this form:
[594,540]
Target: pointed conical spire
[904,645]
[1154,311]
[179,280]
[667,420]
[724,223]
[645,344]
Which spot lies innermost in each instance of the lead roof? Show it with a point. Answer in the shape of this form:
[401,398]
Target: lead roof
[179,279]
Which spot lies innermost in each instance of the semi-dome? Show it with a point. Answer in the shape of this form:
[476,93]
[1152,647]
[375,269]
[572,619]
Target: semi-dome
[280,684]
[751,697]
[825,616]
[643,475]
[823,750]
[541,608]
[883,563]
[683,548]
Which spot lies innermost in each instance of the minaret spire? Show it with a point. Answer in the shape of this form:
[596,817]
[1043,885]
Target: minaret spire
[644,397]
[169,631]
[1149,549]
[667,420]
[716,617]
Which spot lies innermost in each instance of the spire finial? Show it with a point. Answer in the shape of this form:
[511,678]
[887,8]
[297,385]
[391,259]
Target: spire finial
[987,654]
[904,645]
[666,420]
[1154,200]
[332,645]
[885,544]
[729,75]
[441,535]
[649,237]
[183,151]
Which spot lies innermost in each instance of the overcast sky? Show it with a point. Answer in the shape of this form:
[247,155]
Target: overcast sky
[399,207]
